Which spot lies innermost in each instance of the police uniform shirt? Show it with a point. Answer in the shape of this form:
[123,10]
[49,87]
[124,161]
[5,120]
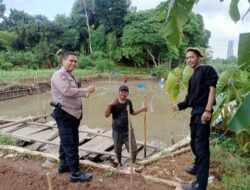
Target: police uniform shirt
[64,90]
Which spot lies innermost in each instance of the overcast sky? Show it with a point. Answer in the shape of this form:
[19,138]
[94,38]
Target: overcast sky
[215,16]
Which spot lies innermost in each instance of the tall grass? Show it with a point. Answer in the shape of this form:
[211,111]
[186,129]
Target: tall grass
[226,153]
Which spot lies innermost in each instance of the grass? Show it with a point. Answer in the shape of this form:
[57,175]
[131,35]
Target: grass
[14,77]
[226,153]
[6,139]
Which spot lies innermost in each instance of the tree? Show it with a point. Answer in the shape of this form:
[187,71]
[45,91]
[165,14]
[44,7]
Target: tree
[2,9]
[141,35]
[111,13]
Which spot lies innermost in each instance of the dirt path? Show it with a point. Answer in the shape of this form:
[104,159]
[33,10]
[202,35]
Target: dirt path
[172,168]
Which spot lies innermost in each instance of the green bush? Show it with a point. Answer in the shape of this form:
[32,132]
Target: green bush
[6,66]
[97,55]
[85,62]
[160,71]
[104,65]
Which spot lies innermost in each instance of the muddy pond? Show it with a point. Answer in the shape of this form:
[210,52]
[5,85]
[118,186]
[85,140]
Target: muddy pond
[162,123]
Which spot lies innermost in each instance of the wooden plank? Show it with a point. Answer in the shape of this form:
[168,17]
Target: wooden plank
[47,134]
[28,130]
[83,136]
[12,128]
[98,134]
[22,121]
[97,143]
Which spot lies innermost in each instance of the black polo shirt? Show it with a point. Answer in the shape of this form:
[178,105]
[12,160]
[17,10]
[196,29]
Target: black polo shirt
[203,77]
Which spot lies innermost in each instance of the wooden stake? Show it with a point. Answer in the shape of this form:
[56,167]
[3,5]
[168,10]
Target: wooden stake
[130,147]
[49,181]
[145,128]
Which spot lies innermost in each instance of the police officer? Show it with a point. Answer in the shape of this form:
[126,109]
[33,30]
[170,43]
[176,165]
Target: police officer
[68,113]
[201,98]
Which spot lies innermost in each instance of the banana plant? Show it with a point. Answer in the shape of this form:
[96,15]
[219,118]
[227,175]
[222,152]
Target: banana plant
[177,80]
[233,99]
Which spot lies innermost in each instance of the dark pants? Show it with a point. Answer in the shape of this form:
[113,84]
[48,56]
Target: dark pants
[69,139]
[200,148]
[121,137]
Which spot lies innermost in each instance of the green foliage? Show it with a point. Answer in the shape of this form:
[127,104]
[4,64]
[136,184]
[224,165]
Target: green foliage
[6,66]
[104,65]
[243,52]
[7,39]
[85,62]
[6,139]
[234,11]
[177,17]
[141,36]
[2,9]
[24,155]
[160,71]
[111,43]
[235,167]
[173,83]
[107,173]
[177,79]
[111,14]
[98,38]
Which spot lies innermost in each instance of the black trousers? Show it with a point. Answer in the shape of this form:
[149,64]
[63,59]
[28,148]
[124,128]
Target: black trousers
[69,139]
[200,147]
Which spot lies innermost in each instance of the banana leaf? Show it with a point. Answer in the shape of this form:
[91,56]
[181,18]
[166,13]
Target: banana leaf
[173,83]
[241,120]
[244,51]
[234,11]
[220,100]
[186,74]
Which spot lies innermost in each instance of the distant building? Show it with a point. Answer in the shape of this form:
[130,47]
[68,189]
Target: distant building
[230,49]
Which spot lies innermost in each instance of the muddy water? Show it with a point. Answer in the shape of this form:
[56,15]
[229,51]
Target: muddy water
[161,123]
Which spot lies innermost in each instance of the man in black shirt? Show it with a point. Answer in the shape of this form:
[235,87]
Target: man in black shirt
[118,109]
[201,98]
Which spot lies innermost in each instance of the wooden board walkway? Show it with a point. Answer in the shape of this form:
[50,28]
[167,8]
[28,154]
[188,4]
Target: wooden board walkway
[94,144]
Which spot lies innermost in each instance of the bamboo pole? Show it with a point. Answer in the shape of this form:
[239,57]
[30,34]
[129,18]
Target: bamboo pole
[130,147]
[22,121]
[49,181]
[86,131]
[145,128]
[182,151]
[183,143]
[165,181]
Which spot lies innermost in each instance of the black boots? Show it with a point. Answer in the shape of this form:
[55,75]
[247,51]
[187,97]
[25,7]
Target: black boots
[193,186]
[191,171]
[63,169]
[80,177]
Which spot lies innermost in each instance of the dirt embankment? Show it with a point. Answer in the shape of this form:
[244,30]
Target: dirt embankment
[28,174]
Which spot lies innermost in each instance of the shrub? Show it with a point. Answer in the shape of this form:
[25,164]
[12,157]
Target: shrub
[160,71]
[6,66]
[85,62]
[105,65]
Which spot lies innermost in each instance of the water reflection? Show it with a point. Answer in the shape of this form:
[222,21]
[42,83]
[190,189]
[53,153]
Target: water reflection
[161,121]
